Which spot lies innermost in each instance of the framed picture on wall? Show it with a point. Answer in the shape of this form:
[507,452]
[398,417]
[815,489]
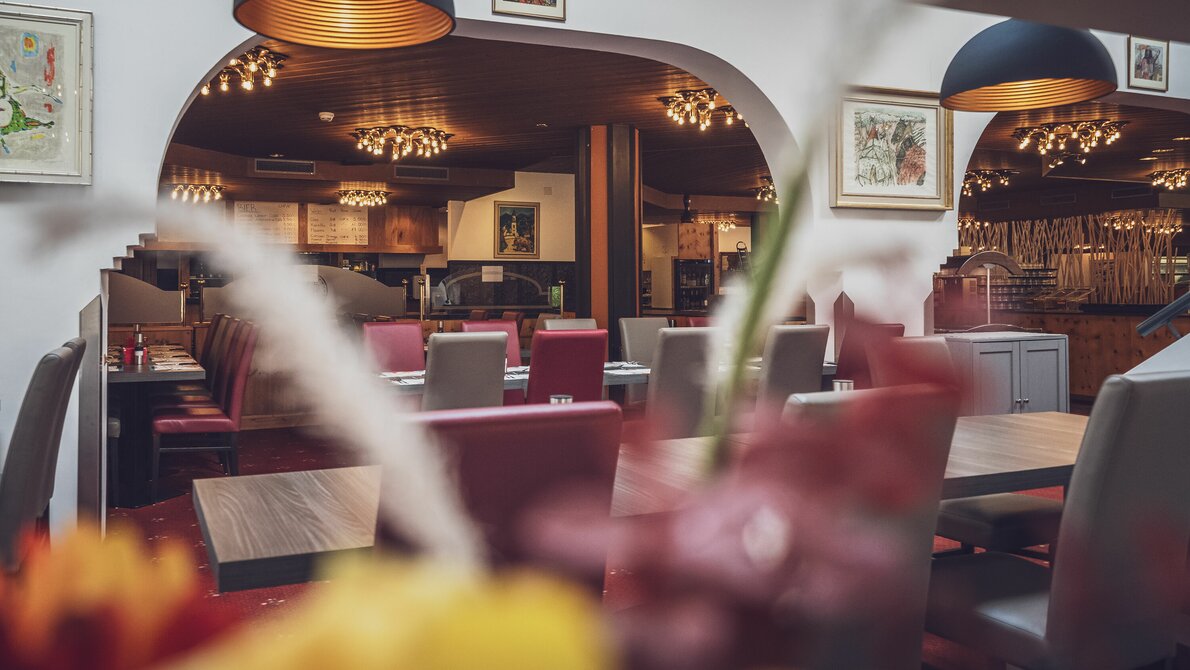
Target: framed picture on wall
[1148,63]
[45,95]
[518,229]
[892,150]
[541,9]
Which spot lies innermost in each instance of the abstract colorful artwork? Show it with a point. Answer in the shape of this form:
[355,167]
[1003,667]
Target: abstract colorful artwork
[542,9]
[517,229]
[45,97]
[892,150]
[1149,63]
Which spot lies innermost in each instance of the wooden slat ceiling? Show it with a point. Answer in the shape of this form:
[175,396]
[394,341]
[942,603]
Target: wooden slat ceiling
[1148,130]
[492,95]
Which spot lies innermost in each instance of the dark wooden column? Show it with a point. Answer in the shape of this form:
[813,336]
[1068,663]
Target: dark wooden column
[607,227]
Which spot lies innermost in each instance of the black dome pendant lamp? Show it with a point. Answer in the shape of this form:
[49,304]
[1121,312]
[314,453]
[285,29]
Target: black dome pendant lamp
[349,24]
[1024,65]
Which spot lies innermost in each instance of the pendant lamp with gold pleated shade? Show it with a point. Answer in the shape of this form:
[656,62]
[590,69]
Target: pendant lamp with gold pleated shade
[1024,65]
[349,24]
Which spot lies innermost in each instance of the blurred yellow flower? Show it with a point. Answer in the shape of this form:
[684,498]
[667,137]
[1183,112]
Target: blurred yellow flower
[379,614]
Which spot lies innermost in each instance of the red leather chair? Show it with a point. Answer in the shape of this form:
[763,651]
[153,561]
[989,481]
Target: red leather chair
[216,367]
[398,347]
[513,460]
[853,351]
[566,362]
[511,396]
[478,315]
[519,317]
[699,321]
[207,427]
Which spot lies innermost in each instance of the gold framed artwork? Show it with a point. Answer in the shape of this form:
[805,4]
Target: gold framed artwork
[892,149]
[45,95]
[517,230]
[540,9]
[1148,63]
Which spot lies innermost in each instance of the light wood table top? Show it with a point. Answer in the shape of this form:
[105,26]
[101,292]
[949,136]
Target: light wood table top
[989,454]
[267,530]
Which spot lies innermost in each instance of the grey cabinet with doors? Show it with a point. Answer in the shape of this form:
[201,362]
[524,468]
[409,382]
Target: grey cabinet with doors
[1011,373]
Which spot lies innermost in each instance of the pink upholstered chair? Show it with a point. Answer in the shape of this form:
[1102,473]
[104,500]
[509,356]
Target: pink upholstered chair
[511,396]
[398,347]
[566,362]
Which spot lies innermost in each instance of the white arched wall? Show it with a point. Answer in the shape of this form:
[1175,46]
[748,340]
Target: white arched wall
[149,55]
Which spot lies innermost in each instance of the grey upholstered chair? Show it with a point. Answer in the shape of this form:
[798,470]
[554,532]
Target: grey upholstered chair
[465,370]
[1113,595]
[792,363]
[638,339]
[568,324]
[678,382]
[1001,521]
[26,482]
[885,631]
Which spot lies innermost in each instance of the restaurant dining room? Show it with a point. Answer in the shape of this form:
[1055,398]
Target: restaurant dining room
[574,335]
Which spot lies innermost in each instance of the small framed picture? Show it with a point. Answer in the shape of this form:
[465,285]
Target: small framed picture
[1148,63]
[45,95]
[517,229]
[541,9]
[892,150]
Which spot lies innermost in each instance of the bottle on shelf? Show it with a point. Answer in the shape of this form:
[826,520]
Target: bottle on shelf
[138,348]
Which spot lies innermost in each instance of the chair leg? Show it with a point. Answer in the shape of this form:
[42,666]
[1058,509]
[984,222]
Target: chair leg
[233,456]
[156,468]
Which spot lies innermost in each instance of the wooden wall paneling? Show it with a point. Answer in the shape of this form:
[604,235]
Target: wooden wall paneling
[409,226]
[694,241]
[598,225]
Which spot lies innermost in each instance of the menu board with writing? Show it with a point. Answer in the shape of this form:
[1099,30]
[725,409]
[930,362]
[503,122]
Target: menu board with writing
[337,224]
[271,222]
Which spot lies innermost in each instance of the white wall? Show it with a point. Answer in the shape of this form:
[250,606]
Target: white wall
[771,59]
[471,224]
[659,241]
[728,239]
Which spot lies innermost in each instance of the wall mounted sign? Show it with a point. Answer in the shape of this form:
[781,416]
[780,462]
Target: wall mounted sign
[270,222]
[542,9]
[336,225]
[892,150]
[517,229]
[45,95]
[1148,63]
[491,274]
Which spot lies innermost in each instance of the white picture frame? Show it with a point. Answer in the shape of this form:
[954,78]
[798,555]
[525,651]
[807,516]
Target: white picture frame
[45,95]
[554,10]
[1148,64]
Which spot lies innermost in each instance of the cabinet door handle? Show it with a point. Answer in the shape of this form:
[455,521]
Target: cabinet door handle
[1026,401]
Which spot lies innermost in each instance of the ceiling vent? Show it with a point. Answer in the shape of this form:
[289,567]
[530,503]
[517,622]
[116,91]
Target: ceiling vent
[421,172]
[277,166]
[1131,192]
[1059,199]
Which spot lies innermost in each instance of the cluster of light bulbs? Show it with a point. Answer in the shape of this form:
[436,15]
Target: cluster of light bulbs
[257,61]
[767,191]
[985,179]
[363,198]
[968,222]
[1056,136]
[1130,223]
[1171,179]
[722,225]
[401,141]
[698,106]
[1061,158]
[195,193]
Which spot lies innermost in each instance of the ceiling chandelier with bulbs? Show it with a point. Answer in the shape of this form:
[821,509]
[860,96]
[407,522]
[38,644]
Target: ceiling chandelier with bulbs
[1087,135]
[195,193]
[985,179]
[1067,156]
[401,141]
[722,225]
[767,191]
[1172,180]
[245,68]
[363,198]
[698,106]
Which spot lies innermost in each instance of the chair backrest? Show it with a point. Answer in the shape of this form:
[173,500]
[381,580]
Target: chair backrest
[217,323]
[238,373]
[853,350]
[566,362]
[792,363]
[478,315]
[567,324]
[911,360]
[1118,580]
[513,459]
[24,489]
[638,337]
[518,317]
[79,346]
[903,435]
[220,382]
[397,347]
[700,321]
[465,370]
[502,326]
[678,382]
[219,353]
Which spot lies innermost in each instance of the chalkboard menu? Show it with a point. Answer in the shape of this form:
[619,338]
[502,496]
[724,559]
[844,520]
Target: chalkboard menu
[271,222]
[336,224]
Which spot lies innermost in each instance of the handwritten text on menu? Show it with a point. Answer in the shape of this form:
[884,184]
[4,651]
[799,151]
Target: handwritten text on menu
[336,224]
[272,222]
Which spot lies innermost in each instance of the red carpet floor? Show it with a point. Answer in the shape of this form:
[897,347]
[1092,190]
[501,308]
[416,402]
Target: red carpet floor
[290,450]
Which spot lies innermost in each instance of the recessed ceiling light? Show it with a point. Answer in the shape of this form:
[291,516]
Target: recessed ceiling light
[1149,158]
[543,125]
[1162,151]
[276,155]
[1183,138]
